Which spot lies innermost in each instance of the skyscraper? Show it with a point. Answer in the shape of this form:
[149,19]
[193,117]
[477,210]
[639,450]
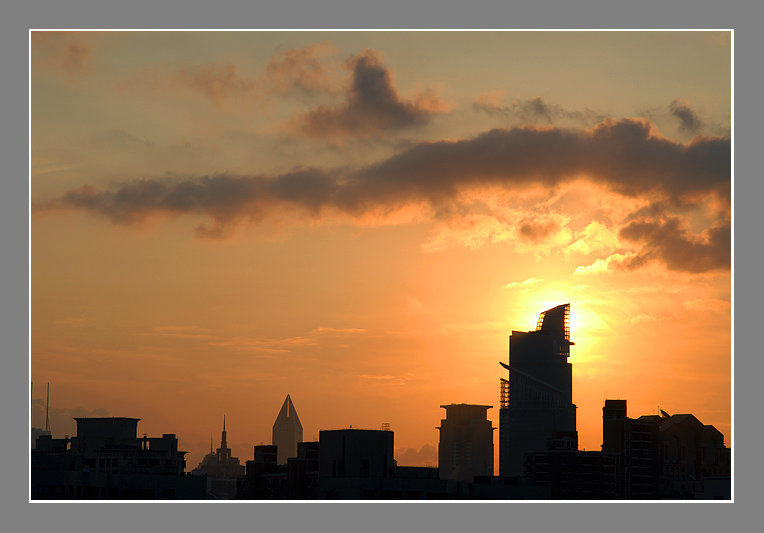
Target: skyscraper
[287,431]
[536,400]
[466,443]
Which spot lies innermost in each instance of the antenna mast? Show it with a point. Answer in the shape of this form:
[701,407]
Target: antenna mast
[47,405]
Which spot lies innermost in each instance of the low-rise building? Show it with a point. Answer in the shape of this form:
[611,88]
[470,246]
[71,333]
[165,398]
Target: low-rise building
[107,460]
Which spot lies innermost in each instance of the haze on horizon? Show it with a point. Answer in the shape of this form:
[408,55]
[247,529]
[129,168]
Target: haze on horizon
[360,219]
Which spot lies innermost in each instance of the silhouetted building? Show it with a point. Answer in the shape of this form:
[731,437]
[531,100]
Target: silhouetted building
[537,398]
[265,478]
[574,474]
[353,462]
[666,457]
[36,433]
[221,470]
[358,464]
[287,431]
[466,443]
[107,460]
[637,442]
[696,464]
[302,472]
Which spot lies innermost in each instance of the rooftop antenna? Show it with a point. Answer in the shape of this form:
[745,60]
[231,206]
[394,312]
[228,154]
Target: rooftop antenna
[47,405]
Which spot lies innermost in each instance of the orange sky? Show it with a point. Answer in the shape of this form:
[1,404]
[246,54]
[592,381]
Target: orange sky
[361,219]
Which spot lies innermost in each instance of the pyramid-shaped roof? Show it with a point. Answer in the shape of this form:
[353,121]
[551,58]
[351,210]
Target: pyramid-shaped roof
[287,416]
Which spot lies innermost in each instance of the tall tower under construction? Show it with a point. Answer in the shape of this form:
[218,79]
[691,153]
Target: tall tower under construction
[536,402]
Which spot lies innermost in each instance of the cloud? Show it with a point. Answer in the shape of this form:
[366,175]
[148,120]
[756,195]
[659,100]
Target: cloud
[302,69]
[372,106]
[322,329]
[221,83]
[533,110]
[690,121]
[537,231]
[646,318]
[672,243]
[427,455]
[613,262]
[65,52]
[62,419]
[414,306]
[596,237]
[627,157]
[526,283]
[713,305]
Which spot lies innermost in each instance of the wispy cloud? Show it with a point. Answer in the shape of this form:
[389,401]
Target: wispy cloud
[528,282]
[608,264]
[534,110]
[647,318]
[713,305]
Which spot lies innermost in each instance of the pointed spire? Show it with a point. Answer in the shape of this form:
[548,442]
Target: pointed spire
[223,443]
[211,452]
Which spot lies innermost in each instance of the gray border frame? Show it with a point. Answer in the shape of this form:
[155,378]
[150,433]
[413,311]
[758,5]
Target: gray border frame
[743,16]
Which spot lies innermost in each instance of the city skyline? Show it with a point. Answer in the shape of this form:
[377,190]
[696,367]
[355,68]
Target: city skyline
[361,219]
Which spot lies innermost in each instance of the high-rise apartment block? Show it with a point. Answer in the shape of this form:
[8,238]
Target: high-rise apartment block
[466,443]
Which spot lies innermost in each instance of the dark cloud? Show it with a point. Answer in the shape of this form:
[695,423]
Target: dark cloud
[670,242]
[535,111]
[535,231]
[225,198]
[689,120]
[373,104]
[624,155]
